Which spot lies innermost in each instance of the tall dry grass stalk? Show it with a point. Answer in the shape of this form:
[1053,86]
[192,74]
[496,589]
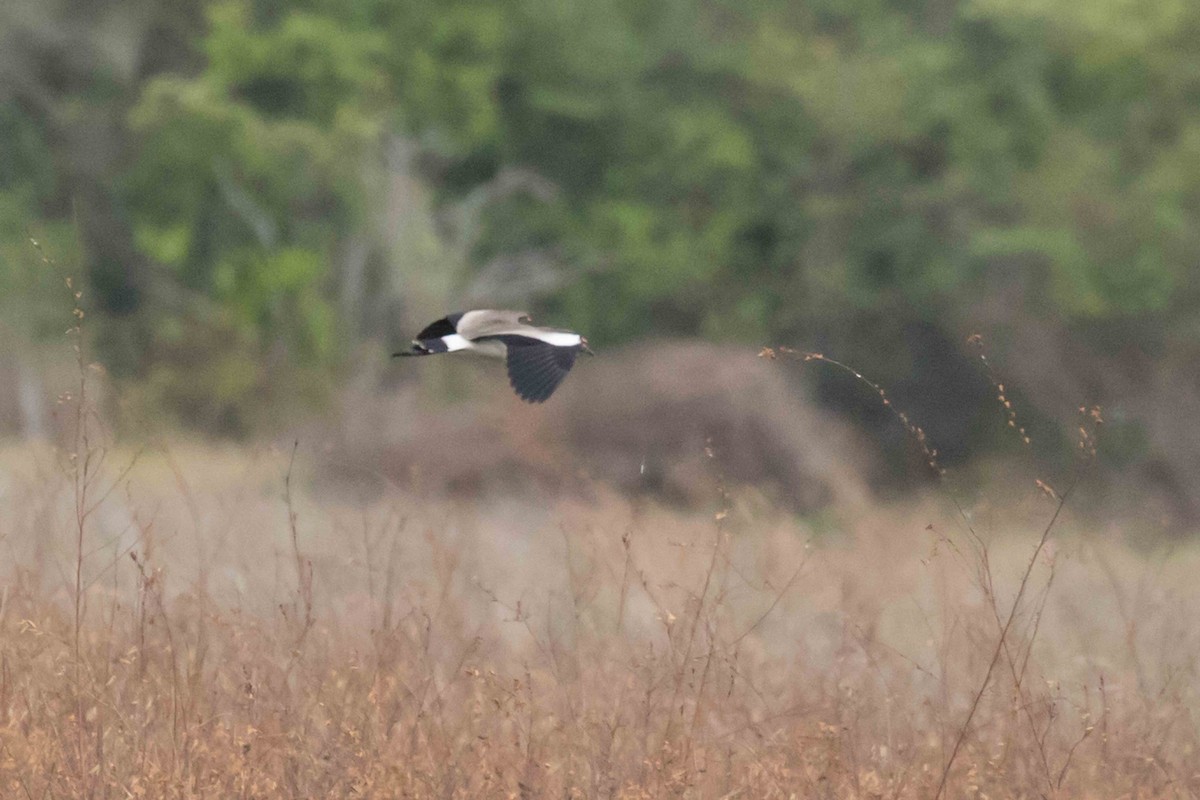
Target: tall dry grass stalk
[1090,420]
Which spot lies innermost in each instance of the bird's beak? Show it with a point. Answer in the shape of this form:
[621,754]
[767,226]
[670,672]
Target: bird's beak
[583,345]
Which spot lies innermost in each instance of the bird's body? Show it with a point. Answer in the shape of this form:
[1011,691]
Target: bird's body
[538,358]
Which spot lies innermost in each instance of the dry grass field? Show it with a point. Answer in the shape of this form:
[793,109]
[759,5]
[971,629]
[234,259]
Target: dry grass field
[205,622]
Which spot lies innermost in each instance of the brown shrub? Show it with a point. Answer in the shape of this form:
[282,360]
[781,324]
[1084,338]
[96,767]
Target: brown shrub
[640,419]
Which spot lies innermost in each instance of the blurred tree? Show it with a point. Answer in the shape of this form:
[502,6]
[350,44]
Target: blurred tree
[876,178]
[873,177]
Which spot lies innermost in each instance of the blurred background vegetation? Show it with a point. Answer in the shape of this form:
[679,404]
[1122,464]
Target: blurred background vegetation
[253,188]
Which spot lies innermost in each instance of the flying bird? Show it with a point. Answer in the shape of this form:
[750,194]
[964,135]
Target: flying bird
[538,358]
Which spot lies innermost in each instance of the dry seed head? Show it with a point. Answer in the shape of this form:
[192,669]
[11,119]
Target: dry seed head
[1046,488]
[913,430]
[1002,397]
[1092,419]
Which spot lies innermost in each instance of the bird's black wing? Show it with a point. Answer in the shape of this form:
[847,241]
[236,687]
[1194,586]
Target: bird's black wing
[445,326]
[535,369]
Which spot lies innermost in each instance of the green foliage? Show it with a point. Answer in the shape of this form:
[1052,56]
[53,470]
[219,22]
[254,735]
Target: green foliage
[264,155]
[29,286]
[767,170]
[832,171]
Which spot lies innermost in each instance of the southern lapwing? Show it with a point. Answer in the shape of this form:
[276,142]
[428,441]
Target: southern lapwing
[538,358]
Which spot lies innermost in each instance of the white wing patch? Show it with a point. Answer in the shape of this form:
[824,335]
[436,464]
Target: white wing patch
[456,342]
[556,338]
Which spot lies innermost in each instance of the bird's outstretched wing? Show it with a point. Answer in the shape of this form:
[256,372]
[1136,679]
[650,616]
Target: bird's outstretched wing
[535,369]
[490,322]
